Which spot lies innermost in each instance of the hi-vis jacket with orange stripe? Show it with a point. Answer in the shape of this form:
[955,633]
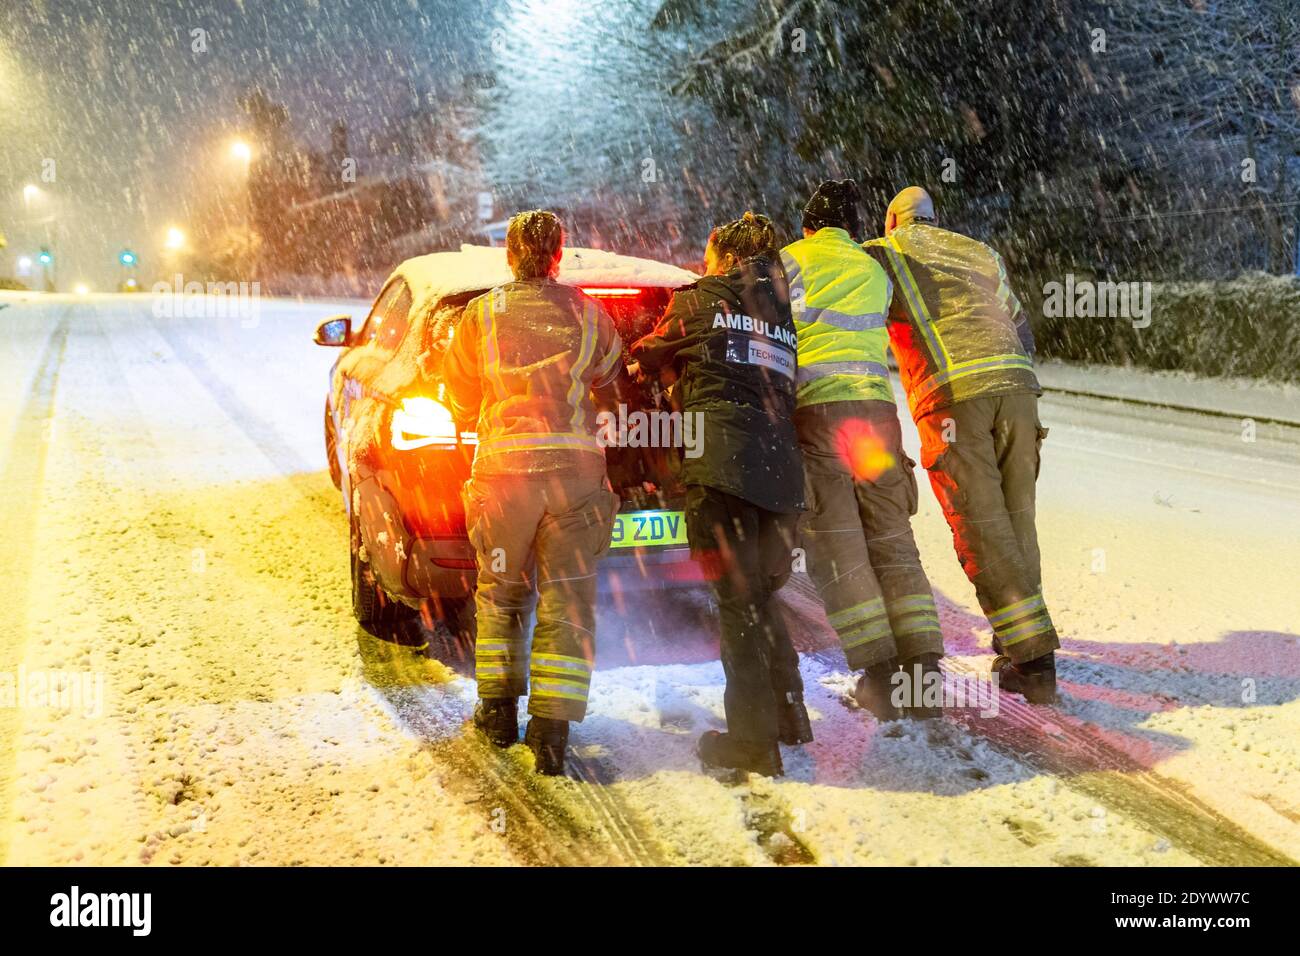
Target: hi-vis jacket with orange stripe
[522,363]
[957,329]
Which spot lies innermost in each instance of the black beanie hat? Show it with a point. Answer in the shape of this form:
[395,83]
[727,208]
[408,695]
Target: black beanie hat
[835,203]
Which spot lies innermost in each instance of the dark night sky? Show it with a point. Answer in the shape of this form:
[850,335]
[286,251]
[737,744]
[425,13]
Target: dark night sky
[139,124]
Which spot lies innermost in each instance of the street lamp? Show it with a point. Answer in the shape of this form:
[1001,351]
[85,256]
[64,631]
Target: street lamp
[175,239]
[30,193]
[242,151]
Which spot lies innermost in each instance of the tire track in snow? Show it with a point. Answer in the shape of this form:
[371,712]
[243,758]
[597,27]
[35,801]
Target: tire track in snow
[1056,743]
[1051,742]
[546,821]
[260,430]
[23,481]
[570,821]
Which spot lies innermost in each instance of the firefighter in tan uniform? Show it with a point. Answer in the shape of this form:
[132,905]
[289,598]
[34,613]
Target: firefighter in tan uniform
[965,352]
[522,364]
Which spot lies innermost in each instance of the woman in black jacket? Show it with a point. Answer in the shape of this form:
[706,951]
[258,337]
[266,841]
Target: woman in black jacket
[730,342]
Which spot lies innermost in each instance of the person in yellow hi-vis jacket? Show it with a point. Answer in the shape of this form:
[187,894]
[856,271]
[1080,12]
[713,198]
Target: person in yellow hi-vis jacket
[965,353]
[522,364]
[861,488]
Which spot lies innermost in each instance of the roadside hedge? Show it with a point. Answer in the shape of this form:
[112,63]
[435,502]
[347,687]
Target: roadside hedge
[1248,327]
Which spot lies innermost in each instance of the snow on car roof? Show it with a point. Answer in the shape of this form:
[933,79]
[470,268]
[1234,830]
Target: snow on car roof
[440,274]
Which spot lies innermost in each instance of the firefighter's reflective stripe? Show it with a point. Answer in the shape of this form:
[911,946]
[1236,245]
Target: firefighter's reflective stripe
[946,371]
[916,303]
[845,321]
[586,351]
[603,372]
[1006,297]
[912,602]
[539,441]
[492,360]
[848,615]
[1021,620]
[963,369]
[810,373]
[914,614]
[865,632]
[861,623]
[559,676]
[839,298]
[499,666]
[1020,608]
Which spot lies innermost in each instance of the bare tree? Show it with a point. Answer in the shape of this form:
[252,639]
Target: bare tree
[1224,72]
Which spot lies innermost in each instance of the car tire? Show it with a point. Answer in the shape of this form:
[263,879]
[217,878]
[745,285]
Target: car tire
[452,635]
[367,600]
[332,449]
[377,613]
[457,615]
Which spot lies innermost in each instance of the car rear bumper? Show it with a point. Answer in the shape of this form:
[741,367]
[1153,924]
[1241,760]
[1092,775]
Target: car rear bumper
[417,568]
[445,568]
[440,567]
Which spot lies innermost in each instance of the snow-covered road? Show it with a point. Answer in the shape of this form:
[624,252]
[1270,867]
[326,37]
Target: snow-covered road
[181,680]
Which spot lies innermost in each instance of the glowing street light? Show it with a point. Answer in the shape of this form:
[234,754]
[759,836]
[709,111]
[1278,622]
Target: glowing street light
[175,239]
[24,265]
[81,288]
[241,150]
[31,192]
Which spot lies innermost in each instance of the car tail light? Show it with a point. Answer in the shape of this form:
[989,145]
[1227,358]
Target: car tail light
[611,292]
[420,422]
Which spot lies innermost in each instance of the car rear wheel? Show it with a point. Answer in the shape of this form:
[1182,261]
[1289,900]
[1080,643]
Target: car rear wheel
[332,449]
[367,602]
[457,616]
[451,637]
[376,612]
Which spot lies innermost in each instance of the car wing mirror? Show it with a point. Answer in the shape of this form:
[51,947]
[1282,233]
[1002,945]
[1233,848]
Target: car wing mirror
[334,331]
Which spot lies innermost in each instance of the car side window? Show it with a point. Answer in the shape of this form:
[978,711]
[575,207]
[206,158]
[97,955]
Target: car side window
[389,318]
[396,318]
[446,316]
[366,335]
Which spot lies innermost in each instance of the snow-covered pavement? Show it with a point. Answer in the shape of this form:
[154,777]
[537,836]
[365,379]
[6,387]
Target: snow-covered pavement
[181,680]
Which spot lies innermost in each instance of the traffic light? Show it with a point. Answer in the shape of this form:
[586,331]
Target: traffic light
[126,257]
[45,258]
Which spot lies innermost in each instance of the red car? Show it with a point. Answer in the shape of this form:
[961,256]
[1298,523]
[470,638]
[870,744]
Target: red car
[400,460]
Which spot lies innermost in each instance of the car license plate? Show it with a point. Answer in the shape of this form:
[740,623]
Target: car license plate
[639,529]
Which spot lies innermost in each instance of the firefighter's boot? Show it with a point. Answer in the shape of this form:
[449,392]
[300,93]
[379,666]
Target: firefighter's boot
[793,725]
[875,689]
[547,738]
[925,685]
[724,752]
[498,719]
[1034,680]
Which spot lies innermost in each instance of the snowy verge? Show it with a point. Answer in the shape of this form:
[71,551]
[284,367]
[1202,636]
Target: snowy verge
[1235,397]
